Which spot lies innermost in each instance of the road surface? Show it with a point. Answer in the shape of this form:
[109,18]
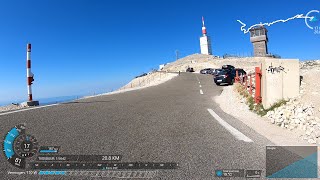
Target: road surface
[176,121]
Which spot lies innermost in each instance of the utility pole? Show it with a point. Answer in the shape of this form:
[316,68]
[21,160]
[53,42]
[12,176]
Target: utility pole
[177,54]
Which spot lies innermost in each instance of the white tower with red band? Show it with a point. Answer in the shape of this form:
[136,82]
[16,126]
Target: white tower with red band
[205,41]
[30,79]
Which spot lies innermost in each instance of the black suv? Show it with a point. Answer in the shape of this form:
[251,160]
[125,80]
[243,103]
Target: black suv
[225,76]
[228,67]
[216,71]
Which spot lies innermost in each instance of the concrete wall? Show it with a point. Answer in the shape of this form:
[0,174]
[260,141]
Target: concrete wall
[280,80]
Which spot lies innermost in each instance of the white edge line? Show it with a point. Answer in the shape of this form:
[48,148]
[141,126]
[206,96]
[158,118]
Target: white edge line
[27,109]
[200,86]
[201,92]
[237,134]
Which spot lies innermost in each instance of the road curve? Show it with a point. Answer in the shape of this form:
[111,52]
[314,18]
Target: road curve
[170,122]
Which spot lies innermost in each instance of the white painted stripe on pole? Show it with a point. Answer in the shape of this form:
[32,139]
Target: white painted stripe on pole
[27,109]
[201,92]
[237,134]
[29,72]
[200,85]
[28,55]
[29,89]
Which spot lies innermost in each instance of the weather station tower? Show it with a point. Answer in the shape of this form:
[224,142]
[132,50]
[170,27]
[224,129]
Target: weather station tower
[205,41]
[259,39]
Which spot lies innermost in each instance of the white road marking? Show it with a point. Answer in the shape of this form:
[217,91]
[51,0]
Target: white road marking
[27,109]
[200,85]
[201,92]
[198,79]
[237,134]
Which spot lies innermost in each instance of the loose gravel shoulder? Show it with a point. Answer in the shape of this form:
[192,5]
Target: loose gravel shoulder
[11,108]
[231,103]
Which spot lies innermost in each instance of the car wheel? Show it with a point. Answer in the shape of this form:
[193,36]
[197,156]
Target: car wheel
[232,81]
[218,84]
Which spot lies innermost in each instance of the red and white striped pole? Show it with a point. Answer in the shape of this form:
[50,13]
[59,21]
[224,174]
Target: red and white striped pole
[29,73]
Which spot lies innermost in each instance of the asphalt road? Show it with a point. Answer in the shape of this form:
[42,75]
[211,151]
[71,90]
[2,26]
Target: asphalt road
[165,123]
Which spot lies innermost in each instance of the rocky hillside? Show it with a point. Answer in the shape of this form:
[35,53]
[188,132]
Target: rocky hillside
[201,61]
[303,112]
[309,64]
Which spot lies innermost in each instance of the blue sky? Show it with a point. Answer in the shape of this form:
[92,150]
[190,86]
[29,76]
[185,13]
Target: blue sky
[86,46]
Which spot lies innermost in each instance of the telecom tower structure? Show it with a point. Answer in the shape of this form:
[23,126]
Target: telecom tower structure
[259,39]
[205,41]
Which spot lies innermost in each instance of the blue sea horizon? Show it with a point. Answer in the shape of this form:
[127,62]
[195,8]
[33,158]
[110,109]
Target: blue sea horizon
[57,99]
[50,100]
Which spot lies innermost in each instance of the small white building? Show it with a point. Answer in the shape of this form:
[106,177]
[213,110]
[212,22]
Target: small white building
[161,66]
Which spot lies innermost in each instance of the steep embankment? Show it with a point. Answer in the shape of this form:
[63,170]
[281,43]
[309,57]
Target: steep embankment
[201,61]
[310,86]
[197,62]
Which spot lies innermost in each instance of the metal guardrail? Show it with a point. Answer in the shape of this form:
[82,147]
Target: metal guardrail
[252,83]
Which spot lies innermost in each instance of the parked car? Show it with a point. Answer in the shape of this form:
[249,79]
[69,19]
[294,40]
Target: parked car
[229,67]
[241,74]
[215,72]
[225,76]
[206,71]
[190,69]
[240,71]
[144,74]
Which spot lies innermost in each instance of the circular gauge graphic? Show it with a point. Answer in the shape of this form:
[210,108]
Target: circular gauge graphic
[312,19]
[18,146]
[26,146]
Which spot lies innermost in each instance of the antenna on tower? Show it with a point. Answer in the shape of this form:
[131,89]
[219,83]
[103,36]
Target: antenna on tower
[202,21]
[177,54]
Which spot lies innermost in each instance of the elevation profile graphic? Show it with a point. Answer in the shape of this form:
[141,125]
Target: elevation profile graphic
[292,162]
